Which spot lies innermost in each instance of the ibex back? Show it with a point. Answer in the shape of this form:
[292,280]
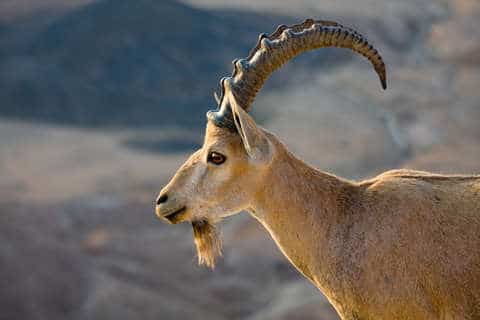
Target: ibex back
[404,245]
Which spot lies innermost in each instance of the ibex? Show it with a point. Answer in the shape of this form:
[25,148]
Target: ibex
[403,245]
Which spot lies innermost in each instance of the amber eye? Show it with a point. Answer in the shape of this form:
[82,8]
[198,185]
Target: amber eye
[216,158]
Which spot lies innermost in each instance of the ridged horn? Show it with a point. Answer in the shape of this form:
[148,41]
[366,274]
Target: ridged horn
[274,50]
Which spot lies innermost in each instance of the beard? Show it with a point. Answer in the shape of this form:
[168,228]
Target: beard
[207,241]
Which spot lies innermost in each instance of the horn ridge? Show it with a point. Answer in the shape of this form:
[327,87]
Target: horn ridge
[274,50]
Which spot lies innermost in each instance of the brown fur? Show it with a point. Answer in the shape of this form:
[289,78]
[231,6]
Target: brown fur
[403,245]
[207,241]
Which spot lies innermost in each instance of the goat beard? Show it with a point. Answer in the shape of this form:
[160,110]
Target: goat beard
[207,241]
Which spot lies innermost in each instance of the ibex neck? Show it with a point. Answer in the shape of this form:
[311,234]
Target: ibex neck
[304,211]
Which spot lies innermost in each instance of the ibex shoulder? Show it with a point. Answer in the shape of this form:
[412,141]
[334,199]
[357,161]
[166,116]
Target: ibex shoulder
[420,176]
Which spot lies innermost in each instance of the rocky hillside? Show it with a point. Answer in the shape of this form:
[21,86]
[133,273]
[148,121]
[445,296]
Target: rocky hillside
[122,63]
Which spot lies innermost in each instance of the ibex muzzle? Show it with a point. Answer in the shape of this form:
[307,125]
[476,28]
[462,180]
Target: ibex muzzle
[404,245]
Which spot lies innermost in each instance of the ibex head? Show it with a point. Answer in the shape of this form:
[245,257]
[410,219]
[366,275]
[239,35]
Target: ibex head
[222,177]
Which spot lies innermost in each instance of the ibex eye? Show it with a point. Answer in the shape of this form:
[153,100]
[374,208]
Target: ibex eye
[216,158]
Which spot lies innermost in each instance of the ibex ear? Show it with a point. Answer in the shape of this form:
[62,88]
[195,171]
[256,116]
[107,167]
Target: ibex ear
[256,143]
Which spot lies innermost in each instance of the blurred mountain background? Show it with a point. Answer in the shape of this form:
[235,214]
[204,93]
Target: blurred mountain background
[102,100]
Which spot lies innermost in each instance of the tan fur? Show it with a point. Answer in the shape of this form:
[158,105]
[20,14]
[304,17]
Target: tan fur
[207,241]
[403,245]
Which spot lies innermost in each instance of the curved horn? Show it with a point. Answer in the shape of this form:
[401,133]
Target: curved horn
[274,50]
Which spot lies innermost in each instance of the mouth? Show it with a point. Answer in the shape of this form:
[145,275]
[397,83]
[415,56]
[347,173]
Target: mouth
[173,217]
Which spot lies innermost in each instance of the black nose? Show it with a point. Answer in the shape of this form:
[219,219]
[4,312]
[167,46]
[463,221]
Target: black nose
[163,198]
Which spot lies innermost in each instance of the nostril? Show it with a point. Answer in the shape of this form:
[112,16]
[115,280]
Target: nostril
[163,198]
